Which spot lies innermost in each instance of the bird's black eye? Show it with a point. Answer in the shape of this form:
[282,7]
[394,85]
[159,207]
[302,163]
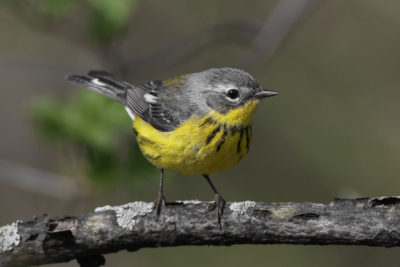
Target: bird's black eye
[232,93]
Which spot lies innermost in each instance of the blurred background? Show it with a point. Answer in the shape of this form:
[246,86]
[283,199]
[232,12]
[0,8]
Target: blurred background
[332,132]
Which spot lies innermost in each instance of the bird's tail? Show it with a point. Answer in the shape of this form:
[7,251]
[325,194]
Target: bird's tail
[104,83]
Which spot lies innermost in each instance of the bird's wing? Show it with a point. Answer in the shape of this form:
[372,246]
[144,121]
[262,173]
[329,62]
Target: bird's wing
[147,101]
[156,102]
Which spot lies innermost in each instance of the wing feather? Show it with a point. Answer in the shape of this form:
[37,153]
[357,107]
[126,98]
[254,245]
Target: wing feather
[145,100]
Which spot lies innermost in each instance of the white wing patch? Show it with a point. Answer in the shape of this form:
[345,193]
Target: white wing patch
[130,113]
[96,81]
[150,98]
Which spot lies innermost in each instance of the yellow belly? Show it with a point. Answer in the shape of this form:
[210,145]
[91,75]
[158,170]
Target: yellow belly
[199,145]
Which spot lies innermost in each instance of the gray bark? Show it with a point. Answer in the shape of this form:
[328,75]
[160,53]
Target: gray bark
[363,221]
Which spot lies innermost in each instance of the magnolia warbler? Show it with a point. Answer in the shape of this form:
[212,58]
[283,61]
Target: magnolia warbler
[194,124]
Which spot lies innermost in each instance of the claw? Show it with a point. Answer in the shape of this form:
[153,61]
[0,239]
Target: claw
[158,203]
[219,205]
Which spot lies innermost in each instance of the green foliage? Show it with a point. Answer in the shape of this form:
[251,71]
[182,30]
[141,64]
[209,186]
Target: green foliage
[88,118]
[97,126]
[89,122]
[104,19]
[109,17]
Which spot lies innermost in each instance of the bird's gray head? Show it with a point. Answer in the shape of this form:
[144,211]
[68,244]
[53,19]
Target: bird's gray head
[224,89]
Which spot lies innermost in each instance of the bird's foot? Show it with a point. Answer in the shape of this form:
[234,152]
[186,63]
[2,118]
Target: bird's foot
[219,205]
[158,203]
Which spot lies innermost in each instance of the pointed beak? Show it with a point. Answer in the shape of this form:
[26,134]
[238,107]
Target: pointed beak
[261,93]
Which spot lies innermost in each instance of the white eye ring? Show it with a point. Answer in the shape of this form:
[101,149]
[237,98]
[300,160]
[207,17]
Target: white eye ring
[232,94]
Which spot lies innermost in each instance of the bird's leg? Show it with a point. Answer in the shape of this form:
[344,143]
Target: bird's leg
[219,202]
[161,198]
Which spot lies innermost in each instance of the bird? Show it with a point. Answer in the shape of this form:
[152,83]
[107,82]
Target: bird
[192,124]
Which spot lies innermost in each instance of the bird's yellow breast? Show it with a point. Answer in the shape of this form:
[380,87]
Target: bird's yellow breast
[200,145]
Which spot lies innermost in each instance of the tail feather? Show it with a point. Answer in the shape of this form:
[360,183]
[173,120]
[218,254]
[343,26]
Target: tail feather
[100,73]
[109,78]
[104,83]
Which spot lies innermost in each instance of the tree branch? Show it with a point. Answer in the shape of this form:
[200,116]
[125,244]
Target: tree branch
[286,17]
[362,221]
